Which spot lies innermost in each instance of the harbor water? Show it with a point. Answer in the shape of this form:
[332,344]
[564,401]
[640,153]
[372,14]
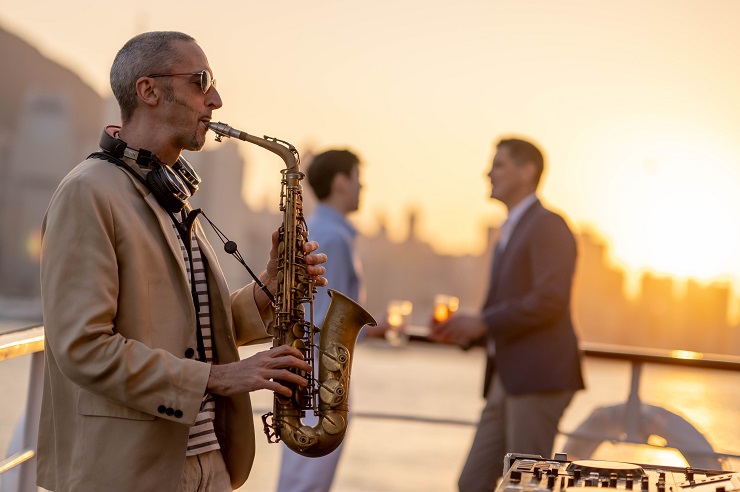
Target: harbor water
[414,408]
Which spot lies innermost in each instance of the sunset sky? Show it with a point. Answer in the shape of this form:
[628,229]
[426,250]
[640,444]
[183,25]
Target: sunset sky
[635,103]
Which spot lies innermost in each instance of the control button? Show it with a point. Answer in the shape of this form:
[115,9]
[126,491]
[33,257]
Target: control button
[561,456]
[178,414]
[551,481]
[515,475]
[593,479]
[162,409]
[170,411]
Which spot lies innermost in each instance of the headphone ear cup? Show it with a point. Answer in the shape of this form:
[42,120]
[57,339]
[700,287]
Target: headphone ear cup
[187,173]
[168,188]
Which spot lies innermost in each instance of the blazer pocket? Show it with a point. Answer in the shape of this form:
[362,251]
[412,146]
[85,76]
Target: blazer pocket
[97,406]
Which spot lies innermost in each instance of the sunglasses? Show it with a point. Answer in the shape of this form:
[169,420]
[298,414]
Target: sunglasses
[206,82]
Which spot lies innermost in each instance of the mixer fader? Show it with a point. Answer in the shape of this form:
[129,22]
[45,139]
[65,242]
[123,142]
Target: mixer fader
[530,473]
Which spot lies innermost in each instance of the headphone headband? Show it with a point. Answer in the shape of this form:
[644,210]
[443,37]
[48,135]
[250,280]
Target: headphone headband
[171,187]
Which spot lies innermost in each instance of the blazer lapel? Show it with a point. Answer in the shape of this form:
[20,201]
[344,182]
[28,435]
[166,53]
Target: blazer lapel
[500,254]
[165,223]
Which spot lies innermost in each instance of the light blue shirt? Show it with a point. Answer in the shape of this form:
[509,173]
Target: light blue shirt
[336,238]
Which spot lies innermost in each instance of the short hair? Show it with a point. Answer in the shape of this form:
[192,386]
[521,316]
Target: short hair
[522,151]
[325,166]
[145,54]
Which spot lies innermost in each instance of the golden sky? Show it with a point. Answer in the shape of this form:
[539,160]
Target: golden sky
[635,103]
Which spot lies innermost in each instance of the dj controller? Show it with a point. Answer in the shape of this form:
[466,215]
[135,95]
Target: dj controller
[531,473]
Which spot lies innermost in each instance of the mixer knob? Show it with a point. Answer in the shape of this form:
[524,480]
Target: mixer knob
[593,480]
[628,482]
[689,474]
[613,480]
[515,475]
[645,483]
[551,481]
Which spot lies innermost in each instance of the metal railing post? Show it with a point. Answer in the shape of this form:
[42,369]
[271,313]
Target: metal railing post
[30,434]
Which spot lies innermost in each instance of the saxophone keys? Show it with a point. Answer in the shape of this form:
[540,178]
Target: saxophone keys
[305,436]
[333,423]
[332,392]
[335,358]
[298,329]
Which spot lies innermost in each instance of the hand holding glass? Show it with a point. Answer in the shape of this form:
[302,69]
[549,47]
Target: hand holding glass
[399,315]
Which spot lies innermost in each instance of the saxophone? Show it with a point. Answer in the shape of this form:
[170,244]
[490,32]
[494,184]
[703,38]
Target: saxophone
[326,395]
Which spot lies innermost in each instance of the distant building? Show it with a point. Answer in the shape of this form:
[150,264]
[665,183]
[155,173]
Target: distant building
[49,122]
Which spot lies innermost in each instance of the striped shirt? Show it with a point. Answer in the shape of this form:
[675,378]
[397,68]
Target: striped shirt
[202,436]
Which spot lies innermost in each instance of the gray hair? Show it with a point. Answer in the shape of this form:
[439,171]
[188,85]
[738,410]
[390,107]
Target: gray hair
[145,54]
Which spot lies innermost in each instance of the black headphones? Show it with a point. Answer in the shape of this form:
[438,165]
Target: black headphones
[171,186]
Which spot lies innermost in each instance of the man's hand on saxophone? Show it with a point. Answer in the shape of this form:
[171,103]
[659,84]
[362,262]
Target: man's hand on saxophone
[263,370]
[269,276]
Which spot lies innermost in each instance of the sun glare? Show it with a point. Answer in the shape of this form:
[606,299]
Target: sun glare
[676,201]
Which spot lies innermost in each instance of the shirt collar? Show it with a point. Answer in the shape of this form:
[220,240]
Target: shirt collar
[516,212]
[334,215]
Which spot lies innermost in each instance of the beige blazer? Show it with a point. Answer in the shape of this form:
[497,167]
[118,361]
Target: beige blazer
[119,391]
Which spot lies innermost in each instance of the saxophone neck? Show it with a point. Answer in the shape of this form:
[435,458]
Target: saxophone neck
[285,150]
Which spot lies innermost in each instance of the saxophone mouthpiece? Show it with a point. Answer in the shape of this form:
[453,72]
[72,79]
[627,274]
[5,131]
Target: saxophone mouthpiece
[223,130]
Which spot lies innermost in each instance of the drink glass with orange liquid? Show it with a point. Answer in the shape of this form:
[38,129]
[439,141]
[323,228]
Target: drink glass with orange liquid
[444,306]
[399,316]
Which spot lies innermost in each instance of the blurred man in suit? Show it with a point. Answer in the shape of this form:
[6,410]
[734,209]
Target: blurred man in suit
[533,364]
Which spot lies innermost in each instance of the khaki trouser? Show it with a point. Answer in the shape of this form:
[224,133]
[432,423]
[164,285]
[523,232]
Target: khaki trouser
[205,473]
[524,424]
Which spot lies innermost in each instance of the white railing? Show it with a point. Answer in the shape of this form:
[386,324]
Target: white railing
[19,469]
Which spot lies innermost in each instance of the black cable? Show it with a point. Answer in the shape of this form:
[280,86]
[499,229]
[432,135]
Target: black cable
[231,248]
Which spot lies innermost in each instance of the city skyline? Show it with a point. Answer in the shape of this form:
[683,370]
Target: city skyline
[637,123]
[42,135]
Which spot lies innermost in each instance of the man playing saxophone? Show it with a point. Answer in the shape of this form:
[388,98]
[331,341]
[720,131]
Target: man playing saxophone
[144,388]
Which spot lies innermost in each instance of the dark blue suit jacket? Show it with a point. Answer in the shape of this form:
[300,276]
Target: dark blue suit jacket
[527,309]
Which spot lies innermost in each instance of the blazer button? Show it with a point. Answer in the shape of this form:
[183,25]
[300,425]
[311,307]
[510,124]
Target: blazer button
[170,411]
[162,409]
[189,353]
[178,414]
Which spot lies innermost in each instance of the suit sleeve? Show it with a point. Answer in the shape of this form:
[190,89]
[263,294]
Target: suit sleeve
[80,284]
[551,256]
[248,323]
